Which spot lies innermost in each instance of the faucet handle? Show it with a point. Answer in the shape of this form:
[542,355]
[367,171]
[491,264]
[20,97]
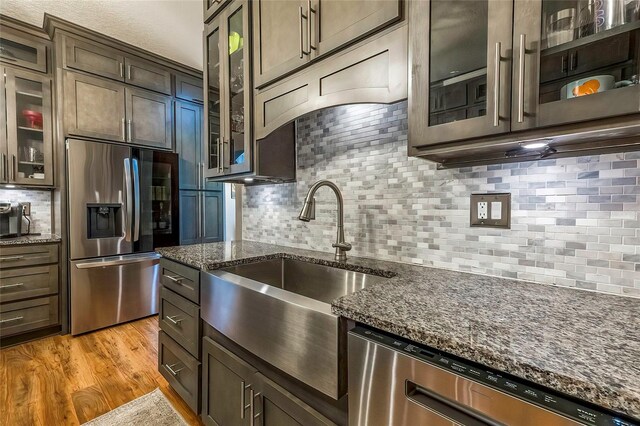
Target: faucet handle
[343,246]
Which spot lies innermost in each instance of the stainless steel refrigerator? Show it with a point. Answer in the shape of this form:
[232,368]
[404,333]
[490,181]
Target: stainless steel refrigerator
[122,204]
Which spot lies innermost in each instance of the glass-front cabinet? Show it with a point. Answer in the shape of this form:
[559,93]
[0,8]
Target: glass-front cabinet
[26,151]
[575,60]
[228,82]
[483,69]
[22,50]
[461,68]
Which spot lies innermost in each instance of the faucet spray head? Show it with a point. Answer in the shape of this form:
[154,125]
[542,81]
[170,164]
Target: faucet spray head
[308,212]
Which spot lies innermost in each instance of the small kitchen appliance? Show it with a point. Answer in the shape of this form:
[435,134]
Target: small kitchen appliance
[11,215]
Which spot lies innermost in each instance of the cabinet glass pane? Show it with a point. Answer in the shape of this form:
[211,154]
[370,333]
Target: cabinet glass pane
[236,87]
[30,134]
[214,98]
[12,51]
[588,47]
[458,60]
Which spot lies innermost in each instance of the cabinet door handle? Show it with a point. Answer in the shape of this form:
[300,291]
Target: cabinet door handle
[121,65]
[128,72]
[3,169]
[310,10]
[200,207]
[11,285]
[129,137]
[10,320]
[14,166]
[563,64]
[124,130]
[253,395]
[301,32]
[2,259]
[523,52]
[243,402]
[496,88]
[171,369]
[573,61]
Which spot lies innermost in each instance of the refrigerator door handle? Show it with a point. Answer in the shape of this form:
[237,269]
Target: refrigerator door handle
[136,198]
[128,200]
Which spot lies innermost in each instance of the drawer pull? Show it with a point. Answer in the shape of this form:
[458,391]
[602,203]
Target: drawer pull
[10,320]
[171,370]
[174,319]
[174,279]
[11,258]
[243,402]
[11,285]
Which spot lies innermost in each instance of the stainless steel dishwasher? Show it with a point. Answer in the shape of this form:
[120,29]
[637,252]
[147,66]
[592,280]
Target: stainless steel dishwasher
[395,382]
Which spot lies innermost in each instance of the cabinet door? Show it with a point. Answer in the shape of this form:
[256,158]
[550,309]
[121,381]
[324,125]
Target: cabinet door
[335,23]
[4,163]
[212,7]
[280,28]
[189,144]
[148,75]
[149,119]
[22,50]
[29,128]
[236,145]
[213,44]
[278,407]
[226,386]
[190,222]
[570,67]
[468,41]
[93,58]
[94,107]
[189,88]
[212,216]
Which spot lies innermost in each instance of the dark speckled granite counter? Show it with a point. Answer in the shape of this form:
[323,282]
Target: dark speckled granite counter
[577,342]
[30,239]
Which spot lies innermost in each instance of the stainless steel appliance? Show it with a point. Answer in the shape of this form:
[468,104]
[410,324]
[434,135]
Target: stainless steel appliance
[11,215]
[393,381]
[123,203]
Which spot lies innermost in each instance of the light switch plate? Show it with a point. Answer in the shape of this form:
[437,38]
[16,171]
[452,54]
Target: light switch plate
[491,210]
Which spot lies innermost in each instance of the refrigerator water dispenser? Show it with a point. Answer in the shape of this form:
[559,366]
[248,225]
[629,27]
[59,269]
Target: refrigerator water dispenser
[104,221]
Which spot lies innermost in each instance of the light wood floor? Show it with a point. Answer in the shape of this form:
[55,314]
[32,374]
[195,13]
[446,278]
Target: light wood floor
[64,380]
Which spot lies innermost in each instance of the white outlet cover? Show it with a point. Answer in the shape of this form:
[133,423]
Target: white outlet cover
[483,208]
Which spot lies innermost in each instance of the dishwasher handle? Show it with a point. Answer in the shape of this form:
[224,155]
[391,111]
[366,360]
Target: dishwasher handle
[444,407]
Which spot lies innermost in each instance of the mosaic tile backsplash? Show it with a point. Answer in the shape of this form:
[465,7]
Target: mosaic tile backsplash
[575,221]
[40,207]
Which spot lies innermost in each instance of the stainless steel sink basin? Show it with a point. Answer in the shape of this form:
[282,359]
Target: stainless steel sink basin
[280,310]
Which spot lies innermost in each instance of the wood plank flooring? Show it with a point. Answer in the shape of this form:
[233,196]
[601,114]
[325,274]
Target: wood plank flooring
[64,380]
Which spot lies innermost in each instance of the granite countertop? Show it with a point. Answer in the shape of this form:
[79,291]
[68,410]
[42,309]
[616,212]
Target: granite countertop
[577,342]
[30,239]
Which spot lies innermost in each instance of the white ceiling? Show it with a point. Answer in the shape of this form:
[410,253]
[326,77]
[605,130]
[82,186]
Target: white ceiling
[171,28]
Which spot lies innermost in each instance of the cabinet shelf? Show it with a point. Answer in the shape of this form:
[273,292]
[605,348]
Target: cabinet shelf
[31,163]
[29,94]
[30,129]
[632,26]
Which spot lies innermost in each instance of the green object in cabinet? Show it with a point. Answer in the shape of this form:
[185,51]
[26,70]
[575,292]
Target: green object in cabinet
[26,149]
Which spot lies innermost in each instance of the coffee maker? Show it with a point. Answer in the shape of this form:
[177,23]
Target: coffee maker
[11,215]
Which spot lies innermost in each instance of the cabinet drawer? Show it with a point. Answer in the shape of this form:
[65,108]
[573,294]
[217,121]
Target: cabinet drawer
[14,257]
[180,319]
[182,279]
[19,317]
[189,88]
[24,283]
[181,370]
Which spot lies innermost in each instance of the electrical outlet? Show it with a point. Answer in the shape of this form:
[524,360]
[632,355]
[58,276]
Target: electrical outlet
[491,210]
[26,209]
[483,209]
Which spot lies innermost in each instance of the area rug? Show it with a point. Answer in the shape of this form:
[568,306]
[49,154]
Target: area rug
[150,409]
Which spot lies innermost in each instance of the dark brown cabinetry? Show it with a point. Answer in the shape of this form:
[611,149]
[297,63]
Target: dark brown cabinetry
[212,7]
[149,118]
[20,49]
[289,34]
[235,393]
[189,88]
[202,220]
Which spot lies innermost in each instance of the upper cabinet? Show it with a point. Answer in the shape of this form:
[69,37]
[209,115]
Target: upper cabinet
[20,49]
[26,148]
[212,7]
[189,88]
[461,77]
[291,33]
[228,105]
[107,62]
[575,61]
[496,76]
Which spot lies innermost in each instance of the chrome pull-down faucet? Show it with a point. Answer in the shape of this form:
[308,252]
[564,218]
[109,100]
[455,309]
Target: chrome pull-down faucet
[308,213]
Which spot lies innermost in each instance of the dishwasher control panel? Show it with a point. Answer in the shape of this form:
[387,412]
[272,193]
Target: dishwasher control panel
[582,412]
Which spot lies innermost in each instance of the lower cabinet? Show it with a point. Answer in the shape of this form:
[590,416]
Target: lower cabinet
[234,393]
[202,216]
